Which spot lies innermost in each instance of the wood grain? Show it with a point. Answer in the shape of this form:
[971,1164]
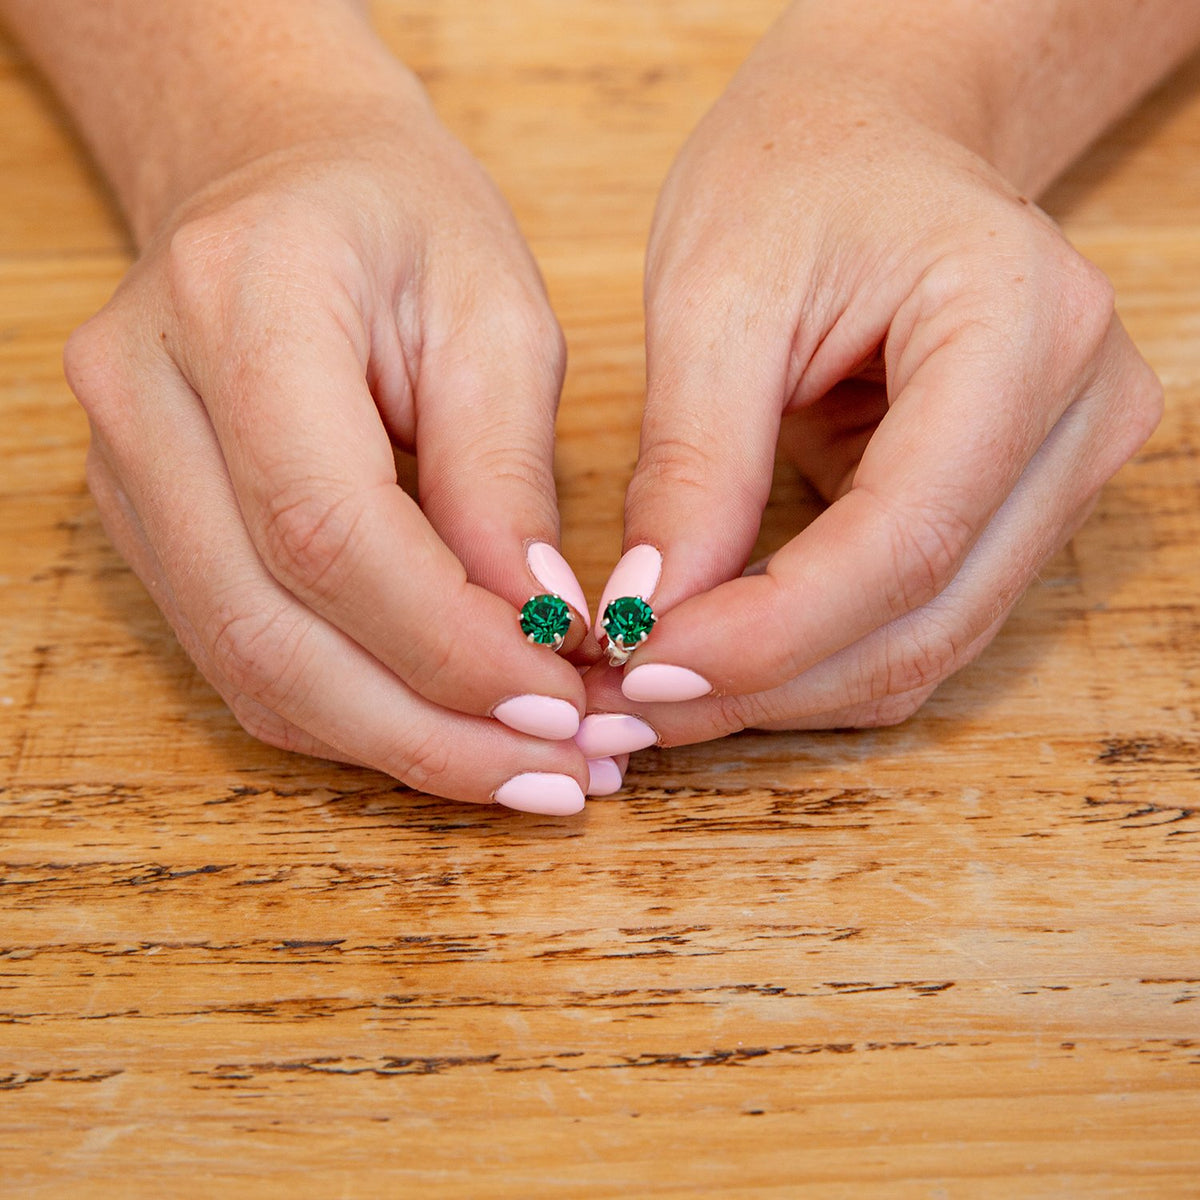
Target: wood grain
[960,957]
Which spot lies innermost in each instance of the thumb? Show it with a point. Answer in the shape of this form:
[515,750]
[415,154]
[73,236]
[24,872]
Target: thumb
[703,477]
[486,403]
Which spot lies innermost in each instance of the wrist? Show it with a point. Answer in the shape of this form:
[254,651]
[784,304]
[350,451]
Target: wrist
[854,63]
[244,125]
[170,97]
[1024,84]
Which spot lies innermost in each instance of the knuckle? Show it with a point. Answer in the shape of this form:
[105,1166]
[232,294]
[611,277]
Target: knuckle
[677,276]
[221,266]
[733,713]
[922,660]
[263,725]
[511,315]
[927,546]
[1088,303]
[424,764]
[753,710]
[1145,405]
[540,335]
[1137,411]
[197,255]
[518,464]
[517,317]
[308,537]
[428,664]
[1132,400]
[95,369]
[259,653]
[703,298]
[678,469]
[889,710]
[671,463]
[85,354]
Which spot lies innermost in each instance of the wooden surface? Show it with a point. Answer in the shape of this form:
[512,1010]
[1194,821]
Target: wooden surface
[956,958]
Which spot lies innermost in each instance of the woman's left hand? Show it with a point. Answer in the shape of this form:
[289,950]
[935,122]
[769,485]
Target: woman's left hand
[945,369]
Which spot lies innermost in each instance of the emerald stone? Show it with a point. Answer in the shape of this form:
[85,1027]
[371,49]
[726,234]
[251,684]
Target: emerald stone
[627,620]
[545,620]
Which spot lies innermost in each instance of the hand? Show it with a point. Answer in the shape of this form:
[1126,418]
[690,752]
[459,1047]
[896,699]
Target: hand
[285,325]
[946,370]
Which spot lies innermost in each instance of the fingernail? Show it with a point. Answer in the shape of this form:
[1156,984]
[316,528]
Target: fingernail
[636,574]
[604,777]
[661,681]
[604,734]
[542,716]
[535,792]
[551,570]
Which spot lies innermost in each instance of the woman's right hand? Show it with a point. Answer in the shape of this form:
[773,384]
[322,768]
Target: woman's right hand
[287,323]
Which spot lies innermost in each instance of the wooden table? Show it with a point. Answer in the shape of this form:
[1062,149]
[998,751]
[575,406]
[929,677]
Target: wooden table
[960,957]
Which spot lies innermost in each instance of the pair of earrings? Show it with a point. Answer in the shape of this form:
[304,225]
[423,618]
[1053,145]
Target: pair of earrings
[626,622]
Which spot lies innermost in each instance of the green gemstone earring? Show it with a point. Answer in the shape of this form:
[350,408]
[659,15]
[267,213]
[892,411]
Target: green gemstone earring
[627,622]
[545,620]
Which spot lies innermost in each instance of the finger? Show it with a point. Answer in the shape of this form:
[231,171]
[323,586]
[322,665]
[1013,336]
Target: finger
[314,475]
[267,654]
[930,481]
[124,530]
[487,395]
[884,677]
[713,402]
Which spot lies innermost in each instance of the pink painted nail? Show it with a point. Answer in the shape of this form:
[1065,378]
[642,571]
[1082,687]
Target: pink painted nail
[604,734]
[542,716]
[551,570]
[604,777]
[535,792]
[661,681]
[636,574]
